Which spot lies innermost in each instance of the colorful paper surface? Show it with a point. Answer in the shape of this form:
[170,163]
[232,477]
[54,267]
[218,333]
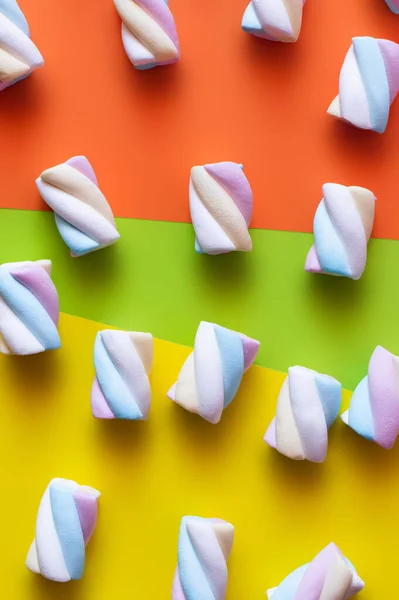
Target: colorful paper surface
[231,97]
[153,280]
[151,473]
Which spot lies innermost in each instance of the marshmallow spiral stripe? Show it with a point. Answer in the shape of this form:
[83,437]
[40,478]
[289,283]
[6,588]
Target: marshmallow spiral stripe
[204,547]
[211,375]
[29,308]
[221,208]
[342,227]
[329,576]
[368,83]
[82,214]
[65,522]
[393,5]
[121,388]
[149,33]
[18,54]
[374,406]
[274,20]
[307,406]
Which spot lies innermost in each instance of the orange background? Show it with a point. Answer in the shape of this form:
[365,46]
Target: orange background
[231,97]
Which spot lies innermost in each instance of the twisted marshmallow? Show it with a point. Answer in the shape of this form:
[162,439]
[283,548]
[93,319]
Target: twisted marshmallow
[204,547]
[82,214]
[275,20]
[330,576]
[342,227]
[149,33]
[65,522]
[123,361]
[374,406]
[393,5]
[368,84]
[18,54]
[29,308]
[212,373]
[221,208]
[307,406]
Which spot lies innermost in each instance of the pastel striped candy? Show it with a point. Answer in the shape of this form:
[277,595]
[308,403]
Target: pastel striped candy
[123,362]
[307,406]
[18,54]
[29,308]
[393,5]
[275,20]
[330,576]
[368,84]
[212,373]
[149,33]
[204,547]
[342,227]
[221,208]
[374,406]
[82,214]
[65,523]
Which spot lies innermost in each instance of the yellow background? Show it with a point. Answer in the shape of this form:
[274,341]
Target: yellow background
[152,473]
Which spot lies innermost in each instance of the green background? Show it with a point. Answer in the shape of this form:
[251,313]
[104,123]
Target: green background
[152,280]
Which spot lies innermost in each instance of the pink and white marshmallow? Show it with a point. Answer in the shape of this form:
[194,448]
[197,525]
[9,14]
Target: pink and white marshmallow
[65,523]
[307,406]
[393,5]
[82,214]
[368,84]
[374,406]
[29,308]
[123,362]
[204,548]
[342,228]
[274,20]
[19,56]
[220,208]
[330,576]
[212,373]
[149,33]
